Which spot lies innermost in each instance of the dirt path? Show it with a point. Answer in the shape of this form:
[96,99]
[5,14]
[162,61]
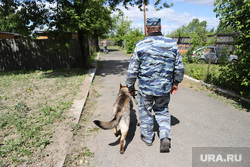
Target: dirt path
[198,120]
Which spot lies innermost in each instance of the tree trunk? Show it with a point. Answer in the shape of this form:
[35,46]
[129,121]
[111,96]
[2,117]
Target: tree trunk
[96,41]
[97,44]
[84,47]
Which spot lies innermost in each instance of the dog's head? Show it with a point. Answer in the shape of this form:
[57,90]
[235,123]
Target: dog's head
[123,89]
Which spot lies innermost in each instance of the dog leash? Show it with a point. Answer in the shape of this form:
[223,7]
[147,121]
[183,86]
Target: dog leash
[135,100]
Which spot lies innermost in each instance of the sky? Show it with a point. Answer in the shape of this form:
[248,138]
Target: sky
[182,12]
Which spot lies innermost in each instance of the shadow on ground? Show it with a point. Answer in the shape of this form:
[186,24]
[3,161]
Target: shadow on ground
[119,67]
[49,73]
[63,73]
[110,50]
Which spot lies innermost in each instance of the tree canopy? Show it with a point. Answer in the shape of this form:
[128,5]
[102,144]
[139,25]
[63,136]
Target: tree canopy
[22,16]
[90,19]
[190,28]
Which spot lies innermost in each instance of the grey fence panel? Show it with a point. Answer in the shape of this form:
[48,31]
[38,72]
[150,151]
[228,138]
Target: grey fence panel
[223,40]
[21,54]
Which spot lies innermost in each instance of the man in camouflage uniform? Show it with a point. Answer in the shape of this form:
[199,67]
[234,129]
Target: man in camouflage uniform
[157,63]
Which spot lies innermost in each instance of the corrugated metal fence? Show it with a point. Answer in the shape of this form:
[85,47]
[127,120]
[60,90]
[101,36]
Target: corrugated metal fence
[223,40]
[21,54]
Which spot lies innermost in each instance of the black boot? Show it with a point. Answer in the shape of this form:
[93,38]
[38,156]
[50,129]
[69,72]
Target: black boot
[165,145]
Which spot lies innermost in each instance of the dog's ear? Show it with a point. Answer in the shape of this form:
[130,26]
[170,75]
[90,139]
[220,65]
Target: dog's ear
[120,85]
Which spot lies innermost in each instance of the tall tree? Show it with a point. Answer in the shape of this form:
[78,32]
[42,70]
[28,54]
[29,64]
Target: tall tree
[102,23]
[236,14]
[89,19]
[121,28]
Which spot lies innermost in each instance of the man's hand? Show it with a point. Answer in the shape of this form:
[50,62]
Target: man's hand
[131,91]
[174,89]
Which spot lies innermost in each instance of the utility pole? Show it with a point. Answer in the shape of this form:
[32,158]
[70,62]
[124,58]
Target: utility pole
[144,18]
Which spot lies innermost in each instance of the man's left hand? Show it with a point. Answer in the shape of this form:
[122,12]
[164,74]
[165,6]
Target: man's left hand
[174,89]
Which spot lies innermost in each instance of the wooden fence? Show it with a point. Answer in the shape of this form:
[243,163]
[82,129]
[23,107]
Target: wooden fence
[21,54]
[223,40]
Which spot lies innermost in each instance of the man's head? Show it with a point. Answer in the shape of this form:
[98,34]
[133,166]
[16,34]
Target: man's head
[153,25]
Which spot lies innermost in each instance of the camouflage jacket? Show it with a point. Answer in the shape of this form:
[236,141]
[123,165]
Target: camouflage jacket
[157,63]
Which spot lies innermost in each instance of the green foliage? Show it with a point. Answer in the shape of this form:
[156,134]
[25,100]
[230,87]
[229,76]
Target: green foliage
[185,31]
[158,4]
[121,29]
[90,19]
[196,72]
[223,28]
[22,17]
[134,36]
[223,60]
[199,38]
[236,14]
[199,71]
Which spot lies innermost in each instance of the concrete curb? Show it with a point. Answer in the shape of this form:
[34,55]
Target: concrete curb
[223,91]
[78,105]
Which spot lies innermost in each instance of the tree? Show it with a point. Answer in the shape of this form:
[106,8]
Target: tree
[22,16]
[236,14]
[90,19]
[192,26]
[131,38]
[121,29]
[102,23]
[222,28]
[158,4]
[81,16]
[185,31]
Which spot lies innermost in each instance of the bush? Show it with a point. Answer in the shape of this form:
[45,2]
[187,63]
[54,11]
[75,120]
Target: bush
[219,75]
[118,40]
[134,36]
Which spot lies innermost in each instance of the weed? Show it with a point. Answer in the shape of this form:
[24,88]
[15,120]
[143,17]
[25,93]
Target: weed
[79,158]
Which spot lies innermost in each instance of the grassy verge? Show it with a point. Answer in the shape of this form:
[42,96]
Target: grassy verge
[31,103]
[81,154]
[200,71]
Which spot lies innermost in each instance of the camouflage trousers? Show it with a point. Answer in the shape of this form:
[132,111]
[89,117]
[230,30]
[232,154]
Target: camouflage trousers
[159,104]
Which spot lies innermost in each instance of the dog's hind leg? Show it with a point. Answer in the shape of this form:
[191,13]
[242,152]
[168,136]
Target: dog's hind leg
[123,136]
[116,133]
[124,126]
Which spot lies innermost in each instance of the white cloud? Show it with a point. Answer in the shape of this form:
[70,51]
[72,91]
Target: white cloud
[170,19]
[198,2]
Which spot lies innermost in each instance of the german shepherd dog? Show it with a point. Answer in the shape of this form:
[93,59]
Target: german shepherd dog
[121,116]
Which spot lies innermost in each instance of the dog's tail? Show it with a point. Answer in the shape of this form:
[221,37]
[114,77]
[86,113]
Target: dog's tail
[108,125]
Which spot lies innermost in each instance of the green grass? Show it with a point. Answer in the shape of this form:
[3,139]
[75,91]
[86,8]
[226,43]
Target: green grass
[92,58]
[79,158]
[31,103]
[200,71]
